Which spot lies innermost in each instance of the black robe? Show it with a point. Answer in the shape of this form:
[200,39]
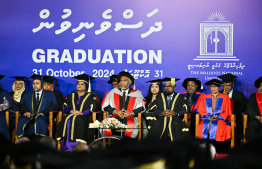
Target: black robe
[239,105]
[163,127]
[79,124]
[253,125]
[60,100]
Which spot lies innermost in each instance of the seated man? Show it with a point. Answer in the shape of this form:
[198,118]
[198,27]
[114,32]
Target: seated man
[192,85]
[167,112]
[5,103]
[238,98]
[48,85]
[215,110]
[125,103]
[35,108]
[254,111]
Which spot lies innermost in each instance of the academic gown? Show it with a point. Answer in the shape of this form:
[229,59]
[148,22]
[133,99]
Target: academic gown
[220,129]
[3,126]
[15,107]
[75,128]
[59,99]
[36,124]
[193,109]
[239,104]
[253,109]
[134,102]
[163,127]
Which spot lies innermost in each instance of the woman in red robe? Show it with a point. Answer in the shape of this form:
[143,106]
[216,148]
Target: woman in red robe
[215,110]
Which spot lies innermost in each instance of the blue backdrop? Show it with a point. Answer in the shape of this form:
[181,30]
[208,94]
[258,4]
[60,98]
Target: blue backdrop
[149,38]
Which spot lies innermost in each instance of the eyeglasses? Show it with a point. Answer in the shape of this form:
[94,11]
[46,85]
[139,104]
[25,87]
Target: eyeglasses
[193,85]
[168,86]
[35,83]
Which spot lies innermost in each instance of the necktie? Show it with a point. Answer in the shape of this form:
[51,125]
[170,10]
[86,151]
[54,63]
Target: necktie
[124,100]
[168,100]
[37,99]
[190,100]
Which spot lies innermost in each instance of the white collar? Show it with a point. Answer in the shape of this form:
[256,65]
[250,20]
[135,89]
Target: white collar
[40,93]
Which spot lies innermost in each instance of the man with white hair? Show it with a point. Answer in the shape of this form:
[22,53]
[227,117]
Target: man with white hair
[124,104]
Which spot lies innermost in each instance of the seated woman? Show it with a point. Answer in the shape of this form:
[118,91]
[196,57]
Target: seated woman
[78,106]
[16,95]
[154,89]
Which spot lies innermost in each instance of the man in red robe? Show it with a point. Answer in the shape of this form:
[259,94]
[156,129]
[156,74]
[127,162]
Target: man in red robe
[124,104]
[215,110]
[254,111]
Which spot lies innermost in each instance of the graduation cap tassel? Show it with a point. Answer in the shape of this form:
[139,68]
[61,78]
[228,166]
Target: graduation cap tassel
[42,81]
[202,86]
[173,82]
[89,86]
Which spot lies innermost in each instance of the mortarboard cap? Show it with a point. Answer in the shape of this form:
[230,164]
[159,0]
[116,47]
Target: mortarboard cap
[170,80]
[227,78]
[50,79]
[113,78]
[196,80]
[1,77]
[157,81]
[214,82]
[127,74]
[85,78]
[21,78]
[258,82]
[37,77]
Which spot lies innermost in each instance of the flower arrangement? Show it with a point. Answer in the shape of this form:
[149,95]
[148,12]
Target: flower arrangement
[111,123]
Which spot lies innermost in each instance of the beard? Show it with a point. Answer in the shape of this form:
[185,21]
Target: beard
[167,92]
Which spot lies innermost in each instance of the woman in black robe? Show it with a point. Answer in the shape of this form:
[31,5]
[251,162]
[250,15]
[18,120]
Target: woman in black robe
[78,106]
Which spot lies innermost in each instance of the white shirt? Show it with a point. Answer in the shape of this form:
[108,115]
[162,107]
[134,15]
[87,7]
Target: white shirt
[230,93]
[40,94]
[170,96]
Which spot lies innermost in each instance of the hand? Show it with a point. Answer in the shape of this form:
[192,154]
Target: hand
[259,118]
[41,114]
[170,113]
[126,113]
[120,113]
[75,112]
[27,114]
[214,118]
[164,113]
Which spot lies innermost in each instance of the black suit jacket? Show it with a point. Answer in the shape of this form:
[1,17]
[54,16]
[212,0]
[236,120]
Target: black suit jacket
[239,102]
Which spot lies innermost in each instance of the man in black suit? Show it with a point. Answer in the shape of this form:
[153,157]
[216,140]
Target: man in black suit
[238,98]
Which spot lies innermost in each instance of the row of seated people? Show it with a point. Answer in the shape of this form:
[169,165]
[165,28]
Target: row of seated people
[164,112]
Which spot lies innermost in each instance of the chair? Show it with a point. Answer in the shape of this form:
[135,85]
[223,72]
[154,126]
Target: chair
[52,114]
[187,118]
[7,119]
[94,117]
[244,119]
[233,122]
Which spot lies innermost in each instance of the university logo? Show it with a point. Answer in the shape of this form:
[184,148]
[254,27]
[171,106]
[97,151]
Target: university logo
[216,39]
